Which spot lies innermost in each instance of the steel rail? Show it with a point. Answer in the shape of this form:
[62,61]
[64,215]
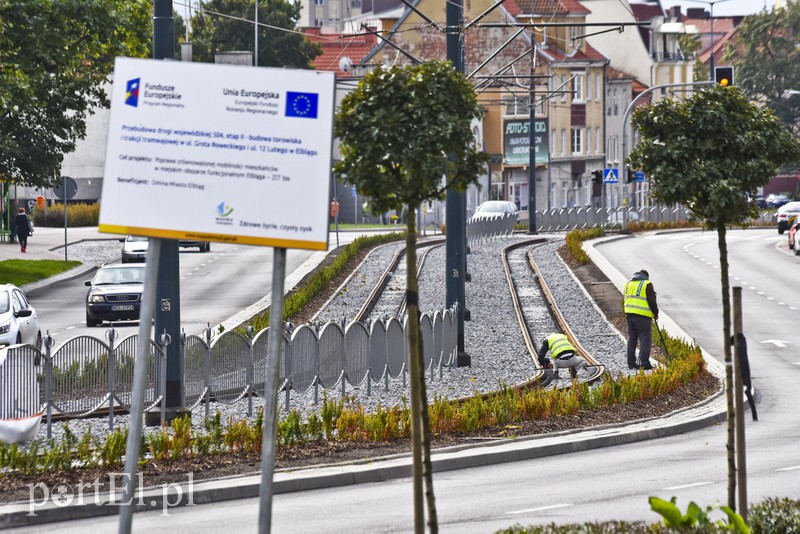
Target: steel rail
[383,281]
[420,263]
[563,324]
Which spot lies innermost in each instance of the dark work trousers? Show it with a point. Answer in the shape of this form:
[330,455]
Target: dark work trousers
[639,329]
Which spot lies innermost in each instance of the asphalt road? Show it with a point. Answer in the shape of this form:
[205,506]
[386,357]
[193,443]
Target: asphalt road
[603,484]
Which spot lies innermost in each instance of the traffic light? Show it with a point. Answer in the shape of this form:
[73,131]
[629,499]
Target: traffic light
[629,174]
[723,76]
[597,177]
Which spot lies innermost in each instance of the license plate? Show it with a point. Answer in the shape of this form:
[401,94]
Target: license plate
[122,307]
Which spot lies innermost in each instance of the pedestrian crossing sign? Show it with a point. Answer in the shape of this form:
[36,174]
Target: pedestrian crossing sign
[611,176]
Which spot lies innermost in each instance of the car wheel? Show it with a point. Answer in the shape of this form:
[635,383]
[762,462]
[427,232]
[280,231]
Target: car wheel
[19,339]
[39,340]
[90,321]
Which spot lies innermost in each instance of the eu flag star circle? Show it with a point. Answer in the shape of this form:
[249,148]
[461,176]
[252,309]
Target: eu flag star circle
[301,105]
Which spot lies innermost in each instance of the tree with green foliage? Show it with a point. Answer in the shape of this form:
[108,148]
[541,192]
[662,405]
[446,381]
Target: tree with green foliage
[711,153]
[768,65]
[55,57]
[405,138]
[227,26]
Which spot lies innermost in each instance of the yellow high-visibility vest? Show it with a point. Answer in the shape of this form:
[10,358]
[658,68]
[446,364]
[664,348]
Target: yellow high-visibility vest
[558,344]
[636,298]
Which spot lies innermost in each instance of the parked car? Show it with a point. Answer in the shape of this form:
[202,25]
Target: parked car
[202,246]
[115,294]
[495,208]
[18,320]
[776,201]
[134,248]
[786,215]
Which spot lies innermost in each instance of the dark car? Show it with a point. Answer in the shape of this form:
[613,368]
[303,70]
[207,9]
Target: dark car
[202,246]
[115,294]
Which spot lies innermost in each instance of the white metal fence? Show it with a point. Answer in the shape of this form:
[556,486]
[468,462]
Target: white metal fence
[86,375]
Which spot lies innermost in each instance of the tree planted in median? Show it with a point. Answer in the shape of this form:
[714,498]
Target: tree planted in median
[405,138]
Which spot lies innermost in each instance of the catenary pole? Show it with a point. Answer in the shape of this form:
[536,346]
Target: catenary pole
[455,204]
[168,295]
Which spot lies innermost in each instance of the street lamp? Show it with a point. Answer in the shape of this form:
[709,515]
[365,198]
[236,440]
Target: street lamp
[710,3]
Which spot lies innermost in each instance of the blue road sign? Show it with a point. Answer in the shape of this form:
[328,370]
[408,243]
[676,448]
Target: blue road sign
[639,176]
[611,176]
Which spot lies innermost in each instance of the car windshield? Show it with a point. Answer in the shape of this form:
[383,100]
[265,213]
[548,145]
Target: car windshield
[119,276]
[4,302]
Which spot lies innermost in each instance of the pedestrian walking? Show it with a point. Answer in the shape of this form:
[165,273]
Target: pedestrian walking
[23,229]
[641,308]
[563,354]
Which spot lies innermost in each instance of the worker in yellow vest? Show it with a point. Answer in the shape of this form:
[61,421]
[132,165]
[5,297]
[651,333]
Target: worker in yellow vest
[563,354]
[641,308]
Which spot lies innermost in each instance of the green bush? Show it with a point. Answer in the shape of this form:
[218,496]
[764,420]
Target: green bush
[78,214]
[774,515]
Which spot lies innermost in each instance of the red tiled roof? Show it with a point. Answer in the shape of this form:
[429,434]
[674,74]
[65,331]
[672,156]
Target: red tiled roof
[512,7]
[552,7]
[646,11]
[337,46]
[721,25]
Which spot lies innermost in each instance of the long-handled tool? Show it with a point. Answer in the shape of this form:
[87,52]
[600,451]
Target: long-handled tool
[664,343]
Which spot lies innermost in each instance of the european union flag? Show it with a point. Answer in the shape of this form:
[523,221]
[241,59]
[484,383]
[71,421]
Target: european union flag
[303,105]
[132,92]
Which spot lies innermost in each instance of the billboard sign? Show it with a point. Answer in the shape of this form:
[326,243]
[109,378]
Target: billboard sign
[516,141]
[222,153]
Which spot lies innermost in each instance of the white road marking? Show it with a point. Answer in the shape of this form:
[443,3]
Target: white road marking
[793,468]
[539,509]
[777,342]
[684,486]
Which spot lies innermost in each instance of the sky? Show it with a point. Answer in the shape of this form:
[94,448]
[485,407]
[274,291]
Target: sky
[723,8]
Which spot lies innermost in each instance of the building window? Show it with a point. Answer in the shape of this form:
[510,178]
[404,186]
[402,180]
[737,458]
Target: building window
[597,88]
[563,87]
[575,36]
[552,200]
[588,140]
[319,2]
[355,3]
[577,88]
[564,194]
[577,140]
[588,87]
[553,140]
[563,142]
[598,141]
[518,106]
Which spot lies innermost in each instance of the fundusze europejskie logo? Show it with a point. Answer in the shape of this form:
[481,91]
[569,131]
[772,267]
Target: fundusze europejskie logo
[302,105]
[132,92]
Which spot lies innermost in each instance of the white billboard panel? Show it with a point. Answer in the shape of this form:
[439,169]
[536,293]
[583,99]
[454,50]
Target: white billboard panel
[219,153]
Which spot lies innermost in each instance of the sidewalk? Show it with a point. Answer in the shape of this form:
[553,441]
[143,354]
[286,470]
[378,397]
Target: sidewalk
[706,413]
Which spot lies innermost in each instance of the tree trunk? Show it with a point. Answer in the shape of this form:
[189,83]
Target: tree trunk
[726,332]
[421,423]
[412,304]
